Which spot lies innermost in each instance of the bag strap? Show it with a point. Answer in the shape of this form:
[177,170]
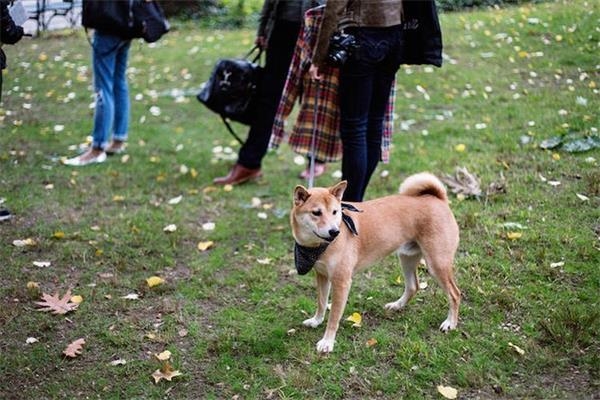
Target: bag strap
[230,129]
[252,51]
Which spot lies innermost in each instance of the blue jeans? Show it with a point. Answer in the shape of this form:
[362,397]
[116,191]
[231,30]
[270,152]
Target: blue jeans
[111,118]
[365,84]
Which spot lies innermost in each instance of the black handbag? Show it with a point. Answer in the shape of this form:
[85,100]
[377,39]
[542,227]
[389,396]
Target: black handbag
[127,19]
[232,88]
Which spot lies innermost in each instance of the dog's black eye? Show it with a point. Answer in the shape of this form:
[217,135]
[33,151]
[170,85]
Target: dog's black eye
[335,212]
[317,213]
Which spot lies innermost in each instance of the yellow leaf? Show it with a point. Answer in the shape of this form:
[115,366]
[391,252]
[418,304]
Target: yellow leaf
[118,198]
[556,156]
[514,235]
[371,342]
[228,188]
[32,285]
[460,147]
[193,173]
[399,280]
[154,281]
[164,356]
[58,235]
[203,246]
[77,299]
[447,391]
[356,318]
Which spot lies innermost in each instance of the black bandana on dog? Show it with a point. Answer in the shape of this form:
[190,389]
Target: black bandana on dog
[306,257]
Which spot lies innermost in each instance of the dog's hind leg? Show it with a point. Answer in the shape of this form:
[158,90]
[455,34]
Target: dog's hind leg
[323,286]
[411,281]
[443,271]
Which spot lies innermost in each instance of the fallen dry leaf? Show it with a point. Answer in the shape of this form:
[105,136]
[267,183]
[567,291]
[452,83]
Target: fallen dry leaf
[356,318]
[203,246]
[516,348]
[164,356]
[41,264]
[463,183]
[175,200]
[447,391]
[33,285]
[24,242]
[77,299]
[154,281]
[514,235]
[371,342]
[75,348]
[166,372]
[57,305]
[170,228]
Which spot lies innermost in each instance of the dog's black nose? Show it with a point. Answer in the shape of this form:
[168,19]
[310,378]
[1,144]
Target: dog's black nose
[333,233]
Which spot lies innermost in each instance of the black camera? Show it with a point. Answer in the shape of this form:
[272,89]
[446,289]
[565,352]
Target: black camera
[341,46]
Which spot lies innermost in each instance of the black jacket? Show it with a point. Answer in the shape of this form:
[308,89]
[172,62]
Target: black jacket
[9,32]
[422,33]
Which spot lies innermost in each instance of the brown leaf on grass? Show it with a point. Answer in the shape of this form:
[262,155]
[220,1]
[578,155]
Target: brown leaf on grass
[463,183]
[166,372]
[74,348]
[57,305]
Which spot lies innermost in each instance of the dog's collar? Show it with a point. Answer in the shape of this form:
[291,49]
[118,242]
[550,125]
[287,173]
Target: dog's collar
[306,257]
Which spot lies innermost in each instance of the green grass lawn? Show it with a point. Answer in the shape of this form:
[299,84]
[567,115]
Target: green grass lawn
[528,262]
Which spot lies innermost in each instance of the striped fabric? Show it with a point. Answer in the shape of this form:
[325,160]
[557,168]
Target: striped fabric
[324,124]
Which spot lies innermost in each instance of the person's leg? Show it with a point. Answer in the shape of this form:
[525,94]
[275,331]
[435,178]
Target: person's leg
[279,56]
[365,83]
[354,94]
[121,99]
[385,72]
[105,49]
[355,91]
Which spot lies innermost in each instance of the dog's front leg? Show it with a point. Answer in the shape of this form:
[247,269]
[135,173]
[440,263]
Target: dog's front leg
[323,285]
[341,288]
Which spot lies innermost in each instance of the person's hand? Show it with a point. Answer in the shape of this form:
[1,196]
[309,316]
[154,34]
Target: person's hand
[313,71]
[261,42]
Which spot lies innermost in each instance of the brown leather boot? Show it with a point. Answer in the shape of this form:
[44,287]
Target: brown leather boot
[238,174]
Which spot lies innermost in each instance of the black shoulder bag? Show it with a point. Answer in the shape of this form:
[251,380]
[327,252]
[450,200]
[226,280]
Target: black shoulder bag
[232,88]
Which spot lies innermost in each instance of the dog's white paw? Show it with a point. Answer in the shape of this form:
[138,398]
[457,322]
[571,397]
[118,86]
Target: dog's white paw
[395,306]
[312,322]
[325,346]
[447,325]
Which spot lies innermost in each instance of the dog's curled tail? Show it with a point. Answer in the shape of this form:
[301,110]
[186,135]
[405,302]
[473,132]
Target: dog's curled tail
[422,184]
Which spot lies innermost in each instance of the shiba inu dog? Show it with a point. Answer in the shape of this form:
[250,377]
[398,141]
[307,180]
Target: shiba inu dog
[341,239]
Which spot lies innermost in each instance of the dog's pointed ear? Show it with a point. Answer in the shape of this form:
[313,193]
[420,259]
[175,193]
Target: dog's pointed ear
[300,195]
[338,190]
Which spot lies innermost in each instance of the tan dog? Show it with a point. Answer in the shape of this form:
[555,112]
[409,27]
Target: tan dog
[415,223]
